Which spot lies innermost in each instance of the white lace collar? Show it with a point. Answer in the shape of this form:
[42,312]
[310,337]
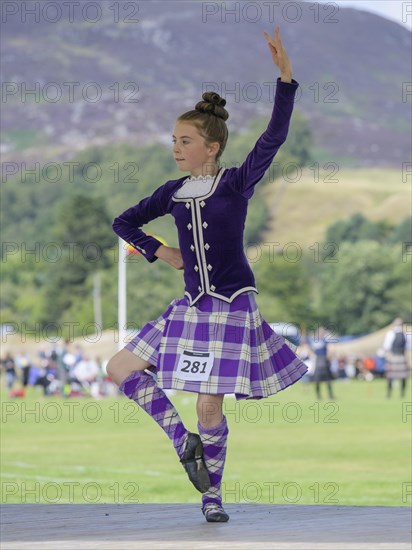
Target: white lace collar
[195,186]
[208,177]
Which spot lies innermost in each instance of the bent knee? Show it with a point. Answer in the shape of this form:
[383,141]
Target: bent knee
[111,367]
[124,363]
[116,363]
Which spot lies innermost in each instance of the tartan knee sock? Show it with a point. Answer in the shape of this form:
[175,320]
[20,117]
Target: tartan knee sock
[214,453]
[143,390]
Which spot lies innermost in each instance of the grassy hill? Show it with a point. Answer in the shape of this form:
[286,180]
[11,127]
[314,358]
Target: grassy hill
[301,211]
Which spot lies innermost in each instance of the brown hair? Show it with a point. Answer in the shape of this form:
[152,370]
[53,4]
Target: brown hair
[209,118]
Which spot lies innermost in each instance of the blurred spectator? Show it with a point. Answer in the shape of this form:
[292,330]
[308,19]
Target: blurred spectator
[322,372]
[342,367]
[23,363]
[367,366]
[9,368]
[380,363]
[62,372]
[334,366]
[69,362]
[396,365]
[86,374]
[350,368]
[58,369]
[305,354]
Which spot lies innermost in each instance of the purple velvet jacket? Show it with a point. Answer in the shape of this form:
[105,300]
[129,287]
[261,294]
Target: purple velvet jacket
[210,228]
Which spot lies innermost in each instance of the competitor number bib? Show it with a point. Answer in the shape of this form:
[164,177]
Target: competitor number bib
[195,366]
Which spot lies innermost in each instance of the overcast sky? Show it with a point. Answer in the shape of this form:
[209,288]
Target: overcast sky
[395,10]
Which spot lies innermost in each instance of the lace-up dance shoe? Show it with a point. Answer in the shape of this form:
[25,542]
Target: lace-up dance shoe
[194,464]
[214,513]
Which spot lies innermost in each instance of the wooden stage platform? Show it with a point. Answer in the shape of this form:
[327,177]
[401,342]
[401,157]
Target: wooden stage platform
[182,527]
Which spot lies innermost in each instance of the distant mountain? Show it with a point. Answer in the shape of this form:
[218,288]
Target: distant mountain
[124,72]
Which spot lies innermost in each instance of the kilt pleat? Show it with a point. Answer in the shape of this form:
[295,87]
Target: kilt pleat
[322,371]
[250,359]
[396,367]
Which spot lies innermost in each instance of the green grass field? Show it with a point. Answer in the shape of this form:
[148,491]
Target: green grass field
[287,449]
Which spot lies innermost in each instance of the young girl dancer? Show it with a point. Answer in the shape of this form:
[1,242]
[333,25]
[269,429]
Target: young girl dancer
[214,340]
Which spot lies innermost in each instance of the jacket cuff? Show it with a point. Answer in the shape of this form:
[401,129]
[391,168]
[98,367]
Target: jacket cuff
[285,90]
[292,85]
[149,249]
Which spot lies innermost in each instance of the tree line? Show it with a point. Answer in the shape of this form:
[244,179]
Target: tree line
[57,235]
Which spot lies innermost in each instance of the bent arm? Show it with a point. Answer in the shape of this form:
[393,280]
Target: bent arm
[128,224]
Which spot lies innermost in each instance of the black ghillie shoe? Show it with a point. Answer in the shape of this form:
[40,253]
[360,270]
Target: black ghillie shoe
[194,464]
[214,513]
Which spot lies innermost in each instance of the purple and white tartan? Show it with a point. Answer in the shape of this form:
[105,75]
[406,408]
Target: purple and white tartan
[250,359]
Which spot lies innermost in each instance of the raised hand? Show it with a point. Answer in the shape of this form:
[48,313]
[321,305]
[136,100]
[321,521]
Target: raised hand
[279,55]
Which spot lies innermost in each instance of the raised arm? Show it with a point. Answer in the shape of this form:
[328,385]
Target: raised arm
[128,224]
[266,147]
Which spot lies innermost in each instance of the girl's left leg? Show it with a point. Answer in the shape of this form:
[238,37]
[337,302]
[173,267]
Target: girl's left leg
[129,371]
[213,431]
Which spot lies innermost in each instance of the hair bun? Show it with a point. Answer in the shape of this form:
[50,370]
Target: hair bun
[213,97]
[213,104]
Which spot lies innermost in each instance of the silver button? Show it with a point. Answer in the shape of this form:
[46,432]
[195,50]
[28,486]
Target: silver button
[196,268]
[199,288]
[189,226]
[209,267]
[139,248]
[192,247]
[204,224]
[207,246]
[187,205]
[213,287]
[202,204]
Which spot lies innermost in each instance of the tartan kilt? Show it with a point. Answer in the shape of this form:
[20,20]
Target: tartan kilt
[250,359]
[396,367]
[322,371]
